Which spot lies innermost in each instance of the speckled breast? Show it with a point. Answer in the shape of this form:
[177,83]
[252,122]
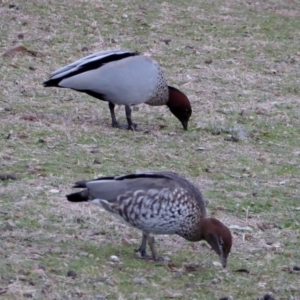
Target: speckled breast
[161,92]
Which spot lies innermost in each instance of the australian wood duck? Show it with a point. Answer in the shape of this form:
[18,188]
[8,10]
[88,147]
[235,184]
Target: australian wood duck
[124,78]
[157,203]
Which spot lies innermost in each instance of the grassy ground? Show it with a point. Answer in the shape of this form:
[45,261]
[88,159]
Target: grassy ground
[238,61]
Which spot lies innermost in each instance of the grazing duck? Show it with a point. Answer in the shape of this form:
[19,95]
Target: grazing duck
[157,203]
[124,78]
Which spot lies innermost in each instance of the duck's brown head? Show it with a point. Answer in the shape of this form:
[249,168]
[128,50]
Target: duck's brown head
[218,236]
[180,106]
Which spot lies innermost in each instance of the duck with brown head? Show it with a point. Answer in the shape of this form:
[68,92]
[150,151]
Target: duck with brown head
[218,236]
[179,106]
[157,203]
[122,77]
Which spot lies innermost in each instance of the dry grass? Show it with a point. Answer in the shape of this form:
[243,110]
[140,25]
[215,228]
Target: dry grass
[50,138]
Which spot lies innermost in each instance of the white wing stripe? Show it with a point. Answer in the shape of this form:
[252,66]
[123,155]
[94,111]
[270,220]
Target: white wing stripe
[81,62]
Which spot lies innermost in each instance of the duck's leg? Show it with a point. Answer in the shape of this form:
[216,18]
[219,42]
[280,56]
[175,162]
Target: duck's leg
[114,121]
[151,242]
[148,238]
[131,126]
[142,248]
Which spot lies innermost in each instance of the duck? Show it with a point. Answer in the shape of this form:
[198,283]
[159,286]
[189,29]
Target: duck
[157,202]
[122,77]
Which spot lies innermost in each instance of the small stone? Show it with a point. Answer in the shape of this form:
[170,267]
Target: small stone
[166,259]
[41,267]
[140,280]
[39,272]
[241,228]
[80,221]
[97,161]
[296,268]
[28,295]
[215,281]
[166,41]
[42,141]
[84,49]
[114,258]
[189,47]
[124,16]
[54,191]
[208,61]
[247,34]
[93,151]
[268,297]
[242,271]
[13,6]
[232,138]
[71,273]
[6,176]
[8,227]
[20,36]
[147,131]
[217,264]
[100,297]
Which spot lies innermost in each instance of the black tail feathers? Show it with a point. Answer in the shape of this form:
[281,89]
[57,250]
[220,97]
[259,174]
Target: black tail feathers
[52,82]
[78,197]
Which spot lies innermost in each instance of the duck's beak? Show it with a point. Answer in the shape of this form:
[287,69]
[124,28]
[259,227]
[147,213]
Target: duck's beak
[184,124]
[223,260]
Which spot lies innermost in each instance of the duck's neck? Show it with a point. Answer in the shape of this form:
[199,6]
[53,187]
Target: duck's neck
[202,229]
[197,233]
[175,97]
